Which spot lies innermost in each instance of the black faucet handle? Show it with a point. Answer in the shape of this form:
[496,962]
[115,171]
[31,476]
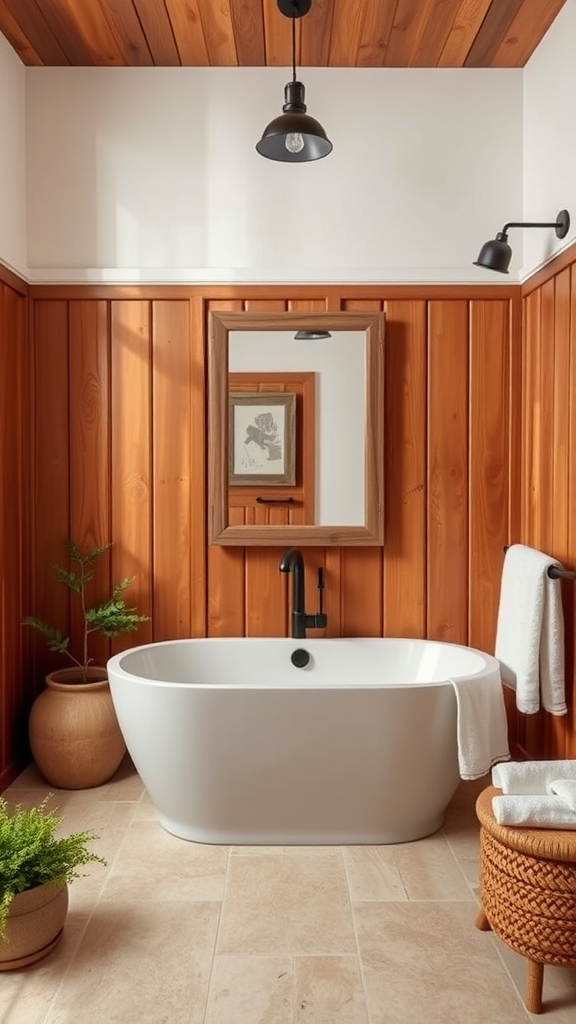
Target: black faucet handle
[320,614]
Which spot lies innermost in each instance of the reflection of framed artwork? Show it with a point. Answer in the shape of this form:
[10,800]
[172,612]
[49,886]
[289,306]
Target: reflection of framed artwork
[262,438]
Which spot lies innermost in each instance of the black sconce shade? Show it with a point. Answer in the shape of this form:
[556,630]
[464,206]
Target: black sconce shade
[294,136]
[496,254]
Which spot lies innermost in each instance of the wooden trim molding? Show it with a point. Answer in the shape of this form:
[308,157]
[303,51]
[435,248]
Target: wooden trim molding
[554,266]
[10,278]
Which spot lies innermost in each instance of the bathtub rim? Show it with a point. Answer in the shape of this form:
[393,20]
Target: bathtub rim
[114,664]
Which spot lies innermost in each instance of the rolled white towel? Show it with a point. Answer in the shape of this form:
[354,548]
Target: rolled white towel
[531,777]
[533,811]
[566,790]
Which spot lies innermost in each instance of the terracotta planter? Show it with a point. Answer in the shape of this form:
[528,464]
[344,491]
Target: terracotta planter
[34,927]
[73,730]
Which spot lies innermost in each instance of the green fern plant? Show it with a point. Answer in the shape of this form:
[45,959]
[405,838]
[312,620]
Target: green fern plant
[110,618]
[31,855]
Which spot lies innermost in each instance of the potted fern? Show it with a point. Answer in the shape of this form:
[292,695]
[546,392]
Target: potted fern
[73,730]
[36,870]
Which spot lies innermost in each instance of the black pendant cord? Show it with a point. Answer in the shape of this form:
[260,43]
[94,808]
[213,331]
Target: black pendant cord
[294,43]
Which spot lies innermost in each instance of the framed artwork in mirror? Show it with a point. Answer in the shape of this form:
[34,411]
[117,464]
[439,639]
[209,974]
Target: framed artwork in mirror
[262,439]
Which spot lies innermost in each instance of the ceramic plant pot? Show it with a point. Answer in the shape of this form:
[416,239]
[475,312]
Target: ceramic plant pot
[34,926]
[73,730]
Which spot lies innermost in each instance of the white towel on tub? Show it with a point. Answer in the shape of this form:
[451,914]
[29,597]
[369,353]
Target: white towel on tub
[482,728]
[533,811]
[530,631]
[531,777]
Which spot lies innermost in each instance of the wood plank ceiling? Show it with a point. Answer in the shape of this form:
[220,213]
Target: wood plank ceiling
[252,33]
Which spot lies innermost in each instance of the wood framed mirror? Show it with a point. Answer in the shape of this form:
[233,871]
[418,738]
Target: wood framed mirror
[332,493]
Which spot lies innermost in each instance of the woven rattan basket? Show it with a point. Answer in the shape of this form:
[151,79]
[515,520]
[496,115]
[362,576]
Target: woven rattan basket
[528,892]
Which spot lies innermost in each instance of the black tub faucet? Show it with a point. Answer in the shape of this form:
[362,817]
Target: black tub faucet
[293,561]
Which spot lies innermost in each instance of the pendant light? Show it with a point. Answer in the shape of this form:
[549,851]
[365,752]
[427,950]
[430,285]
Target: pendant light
[496,254]
[294,136]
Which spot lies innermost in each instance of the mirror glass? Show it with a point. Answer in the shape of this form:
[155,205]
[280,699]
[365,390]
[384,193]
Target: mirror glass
[295,429]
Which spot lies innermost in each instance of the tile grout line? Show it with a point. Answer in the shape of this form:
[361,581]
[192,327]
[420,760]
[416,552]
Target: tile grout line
[216,936]
[368,1015]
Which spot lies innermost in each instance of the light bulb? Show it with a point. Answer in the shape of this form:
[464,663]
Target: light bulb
[294,142]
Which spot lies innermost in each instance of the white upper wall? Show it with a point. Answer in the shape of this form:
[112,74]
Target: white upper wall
[150,174]
[12,160]
[549,138]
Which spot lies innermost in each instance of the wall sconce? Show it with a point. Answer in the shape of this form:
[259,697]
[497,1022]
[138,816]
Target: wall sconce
[496,254]
[294,136]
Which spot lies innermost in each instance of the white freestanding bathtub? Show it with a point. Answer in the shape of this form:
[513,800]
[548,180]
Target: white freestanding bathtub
[237,744]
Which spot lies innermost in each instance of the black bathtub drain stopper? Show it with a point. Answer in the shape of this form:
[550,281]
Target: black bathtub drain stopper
[300,657]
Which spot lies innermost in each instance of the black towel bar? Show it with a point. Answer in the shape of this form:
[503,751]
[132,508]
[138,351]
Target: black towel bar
[555,572]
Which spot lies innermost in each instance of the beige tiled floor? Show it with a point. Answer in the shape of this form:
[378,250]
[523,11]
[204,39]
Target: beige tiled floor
[181,933]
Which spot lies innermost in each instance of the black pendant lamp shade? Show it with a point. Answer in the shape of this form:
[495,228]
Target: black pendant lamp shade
[294,136]
[496,254]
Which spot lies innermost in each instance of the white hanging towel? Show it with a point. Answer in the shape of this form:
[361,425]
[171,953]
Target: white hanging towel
[482,728]
[530,631]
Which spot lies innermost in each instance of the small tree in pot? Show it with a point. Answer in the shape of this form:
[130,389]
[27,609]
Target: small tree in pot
[77,746]
[110,617]
[36,868]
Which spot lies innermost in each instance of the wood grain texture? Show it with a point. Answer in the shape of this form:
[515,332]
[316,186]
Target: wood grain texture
[90,483]
[158,33]
[406,486]
[171,427]
[15,680]
[448,466]
[466,24]
[131,458]
[51,474]
[88,23]
[494,27]
[549,468]
[489,464]
[249,33]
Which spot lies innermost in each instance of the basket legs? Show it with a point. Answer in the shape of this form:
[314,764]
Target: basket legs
[534,975]
[482,922]
[534,979]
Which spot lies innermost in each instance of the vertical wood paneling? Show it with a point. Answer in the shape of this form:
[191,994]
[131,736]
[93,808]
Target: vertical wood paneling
[361,570]
[544,419]
[529,439]
[14,531]
[171,458]
[560,425]
[131,469]
[549,461]
[405,466]
[119,446]
[515,398]
[555,732]
[488,458]
[198,568]
[570,589]
[447,613]
[89,401]
[51,493]
[225,566]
